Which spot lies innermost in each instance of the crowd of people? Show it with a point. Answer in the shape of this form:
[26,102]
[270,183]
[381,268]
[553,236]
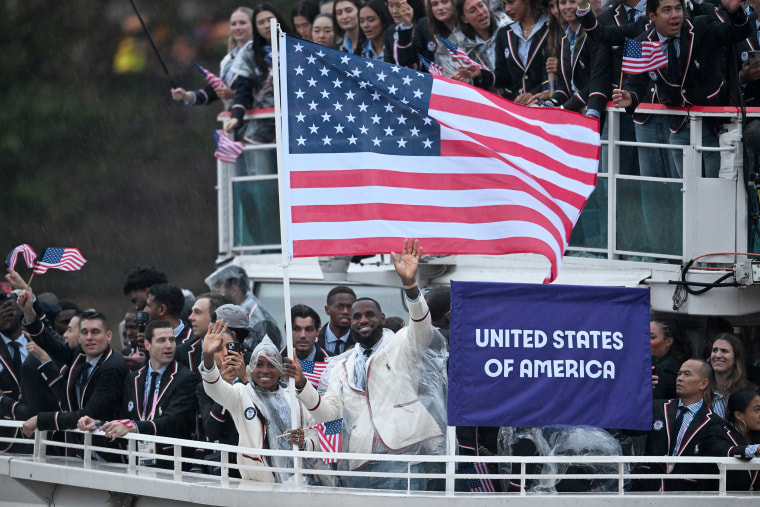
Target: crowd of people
[214,368]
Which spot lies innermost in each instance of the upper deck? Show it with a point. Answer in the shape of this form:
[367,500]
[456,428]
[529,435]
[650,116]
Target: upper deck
[634,230]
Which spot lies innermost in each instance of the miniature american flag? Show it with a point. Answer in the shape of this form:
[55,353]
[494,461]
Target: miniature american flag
[65,259]
[641,57]
[458,53]
[330,437]
[227,150]
[313,371]
[432,67]
[480,485]
[214,80]
[26,251]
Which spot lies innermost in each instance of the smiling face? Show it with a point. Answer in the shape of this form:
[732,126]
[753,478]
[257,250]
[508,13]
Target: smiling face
[161,347]
[72,331]
[567,10]
[370,24]
[93,337]
[265,375]
[668,18]
[347,16]
[367,322]
[240,28]
[722,357]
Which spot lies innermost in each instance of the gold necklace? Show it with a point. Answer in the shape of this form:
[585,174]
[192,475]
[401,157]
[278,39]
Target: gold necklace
[526,31]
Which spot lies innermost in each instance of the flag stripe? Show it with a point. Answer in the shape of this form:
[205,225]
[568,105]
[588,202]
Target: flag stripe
[643,56]
[65,259]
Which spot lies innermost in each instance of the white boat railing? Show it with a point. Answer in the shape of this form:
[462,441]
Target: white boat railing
[132,456]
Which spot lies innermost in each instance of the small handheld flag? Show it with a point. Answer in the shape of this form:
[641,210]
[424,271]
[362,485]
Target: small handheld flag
[313,371]
[214,80]
[330,437]
[26,251]
[458,53]
[431,66]
[227,150]
[65,259]
[641,57]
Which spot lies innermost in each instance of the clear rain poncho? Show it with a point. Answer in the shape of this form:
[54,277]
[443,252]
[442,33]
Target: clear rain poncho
[275,410]
[561,441]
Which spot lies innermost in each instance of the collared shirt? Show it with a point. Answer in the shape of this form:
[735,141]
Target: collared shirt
[177,330]
[360,363]
[640,8]
[523,46]
[720,401]
[157,387]
[669,40]
[331,339]
[22,341]
[688,416]
[312,355]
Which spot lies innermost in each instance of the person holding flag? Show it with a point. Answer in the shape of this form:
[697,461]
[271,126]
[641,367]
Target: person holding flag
[241,32]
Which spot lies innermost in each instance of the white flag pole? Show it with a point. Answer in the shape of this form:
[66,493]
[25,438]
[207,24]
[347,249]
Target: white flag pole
[283,182]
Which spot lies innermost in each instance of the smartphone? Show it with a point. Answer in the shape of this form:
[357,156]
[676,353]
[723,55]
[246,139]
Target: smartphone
[235,347]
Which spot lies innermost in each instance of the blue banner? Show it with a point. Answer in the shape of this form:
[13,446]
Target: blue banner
[540,355]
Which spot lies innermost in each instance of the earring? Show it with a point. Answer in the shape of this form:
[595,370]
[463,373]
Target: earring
[743,427]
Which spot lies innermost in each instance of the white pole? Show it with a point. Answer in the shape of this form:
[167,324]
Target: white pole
[283,180]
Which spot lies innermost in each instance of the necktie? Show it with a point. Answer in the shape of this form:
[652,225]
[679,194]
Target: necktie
[674,66]
[339,347]
[361,374]
[677,428]
[631,15]
[83,381]
[16,357]
[151,393]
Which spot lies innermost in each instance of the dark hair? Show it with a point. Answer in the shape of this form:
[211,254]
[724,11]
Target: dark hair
[381,8]
[439,302]
[379,309]
[738,377]
[680,349]
[466,28]
[338,30]
[437,27]
[153,325]
[739,401]
[305,8]
[92,314]
[394,324]
[304,312]
[707,372]
[170,295]
[340,289]
[214,300]
[143,278]
[653,5]
[259,54]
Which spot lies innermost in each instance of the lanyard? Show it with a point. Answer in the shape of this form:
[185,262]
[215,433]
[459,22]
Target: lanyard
[149,416]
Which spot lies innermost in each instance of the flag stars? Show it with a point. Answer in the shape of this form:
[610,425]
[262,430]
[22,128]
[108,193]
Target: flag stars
[322,55]
[298,47]
[381,76]
[388,131]
[405,101]
[311,59]
[326,141]
[338,128]
[363,84]
[301,141]
[313,129]
[428,120]
[414,132]
[392,90]
[375,119]
[300,117]
[337,83]
[356,72]
[364,130]
[338,106]
[344,60]
[325,118]
[323,71]
[417,94]
[325,94]
[401,120]
[406,80]
[396,69]
[401,143]
[376,141]
[375,96]
[312,82]
[370,65]
[363,107]
[299,93]
[313,106]
[350,95]
[299,71]
[352,139]
[350,118]
[428,143]
[388,108]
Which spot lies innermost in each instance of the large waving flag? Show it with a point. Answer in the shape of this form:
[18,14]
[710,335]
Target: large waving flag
[65,259]
[374,153]
[24,250]
[330,437]
[214,80]
[641,57]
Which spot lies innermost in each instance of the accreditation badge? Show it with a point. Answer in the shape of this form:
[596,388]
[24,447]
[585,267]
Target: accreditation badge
[146,448]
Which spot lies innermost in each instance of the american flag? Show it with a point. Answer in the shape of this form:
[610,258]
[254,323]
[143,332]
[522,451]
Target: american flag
[313,371]
[330,437]
[374,153]
[458,53]
[644,56]
[26,251]
[482,484]
[214,80]
[65,259]
[431,66]
[227,150]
